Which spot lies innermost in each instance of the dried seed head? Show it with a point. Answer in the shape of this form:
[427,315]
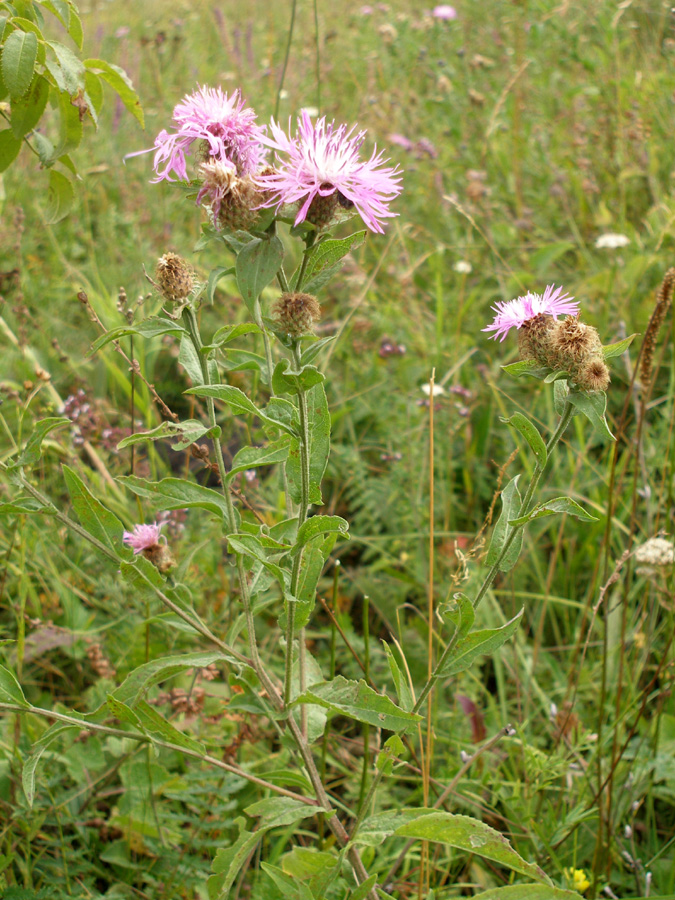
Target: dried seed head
[571,342]
[296,313]
[533,338]
[591,374]
[161,557]
[174,277]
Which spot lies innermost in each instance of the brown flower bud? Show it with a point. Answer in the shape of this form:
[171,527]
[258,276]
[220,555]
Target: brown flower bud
[533,338]
[571,342]
[174,277]
[296,313]
[592,374]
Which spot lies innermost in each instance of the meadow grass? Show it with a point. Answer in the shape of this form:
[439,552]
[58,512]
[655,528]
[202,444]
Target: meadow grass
[535,128]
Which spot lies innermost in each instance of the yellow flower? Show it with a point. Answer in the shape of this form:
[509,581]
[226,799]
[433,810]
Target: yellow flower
[577,879]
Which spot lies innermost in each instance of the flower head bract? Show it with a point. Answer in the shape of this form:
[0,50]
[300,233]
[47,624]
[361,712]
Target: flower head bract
[322,161]
[514,313]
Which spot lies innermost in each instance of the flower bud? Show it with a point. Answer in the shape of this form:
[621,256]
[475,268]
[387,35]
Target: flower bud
[533,338]
[592,374]
[296,313]
[571,342]
[174,277]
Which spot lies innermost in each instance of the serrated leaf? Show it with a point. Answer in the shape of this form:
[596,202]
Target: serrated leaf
[33,449]
[27,110]
[609,351]
[153,327]
[558,505]
[30,766]
[479,643]
[61,197]
[71,66]
[472,836]
[182,434]
[316,525]
[593,406]
[257,263]
[94,517]
[9,148]
[120,82]
[357,700]
[70,127]
[511,503]
[252,457]
[175,493]
[531,434]
[10,689]
[19,53]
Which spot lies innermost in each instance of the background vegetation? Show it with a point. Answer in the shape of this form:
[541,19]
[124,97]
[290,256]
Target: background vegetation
[527,130]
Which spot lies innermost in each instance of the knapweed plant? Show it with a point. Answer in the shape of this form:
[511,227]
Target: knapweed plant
[272,198]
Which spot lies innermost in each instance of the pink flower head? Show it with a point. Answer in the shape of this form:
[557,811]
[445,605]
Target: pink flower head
[143,537]
[323,160]
[225,123]
[553,302]
[444,12]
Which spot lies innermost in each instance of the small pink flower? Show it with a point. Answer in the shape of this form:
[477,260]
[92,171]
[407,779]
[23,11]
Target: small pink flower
[401,141]
[224,123]
[322,160]
[444,12]
[553,302]
[143,537]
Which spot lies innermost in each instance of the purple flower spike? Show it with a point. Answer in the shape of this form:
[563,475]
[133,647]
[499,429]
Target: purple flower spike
[322,159]
[143,537]
[224,123]
[553,302]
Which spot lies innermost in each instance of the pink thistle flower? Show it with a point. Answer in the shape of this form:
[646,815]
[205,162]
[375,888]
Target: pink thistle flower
[553,302]
[143,537]
[223,122]
[324,160]
[444,12]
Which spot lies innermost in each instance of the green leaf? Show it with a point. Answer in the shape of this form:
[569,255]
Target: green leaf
[140,680]
[257,264]
[318,427]
[364,888]
[9,148]
[527,892]
[460,612]
[214,277]
[183,434]
[323,256]
[529,431]
[311,567]
[289,382]
[27,110]
[153,327]
[377,828]
[228,862]
[229,332]
[10,690]
[526,367]
[276,811]
[252,457]
[314,349]
[123,712]
[239,403]
[19,53]
[356,700]
[560,393]
[31,453]
[60,199]
[29,767]
[403,691]
[175,493]
[265,551]
[190,361]
[120,82]
[593,406]
[72,68]
[511,503]
[479,643]
[60,9]
[551,507]
[393,747]
[609,351]
[472,836]
[21,506]
[70,126]
[156,724]
[94,517]
[316,525]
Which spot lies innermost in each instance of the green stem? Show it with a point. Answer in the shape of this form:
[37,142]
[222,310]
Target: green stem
[365,731]
[309,242]
[492,574]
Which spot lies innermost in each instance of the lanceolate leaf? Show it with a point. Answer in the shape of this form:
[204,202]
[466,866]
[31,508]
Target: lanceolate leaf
[95,518]
[27,111]
[182,434]
[119,81]
[137,683]
[228,862]
[609,351]
[320,525]
[29,767]
[527,892]
[511,503]
[33,449]
[529,431]
[175,493]
[276,811]
[19,53]
[593,406]
[257,264]
[149,328]
[559,505]
[319,431]
[10,691]
[252,457]
[325,255]
[479,643]
[356,700]
[472,836]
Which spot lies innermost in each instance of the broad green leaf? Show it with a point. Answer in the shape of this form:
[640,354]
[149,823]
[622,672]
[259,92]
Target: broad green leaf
[558,505]
[364,888]
[313,349]
[479,643]
[189,359]
[182,434]
[311,567]
[276,811]
[252,457]
[609,351]
[61,197]
[228,862]
[156,724]
[138,682]
[288,887]
[214,277]
[556,375]
[377,828]
[27,111]
[75,27]
[356,700]
[560,394]
[460,612]
[70,127]
[230,332]
[175,493]
[72,68]
[33,449]
[325,255]
[120,82]
[254,547]
[511,503]
[123,712]
[152,327]
[593,406]
[257,264]
[526,367]
[393,747]
[285,381]
[527,892]
[236,360]
[319,433]
[316,525]
[22,506]
[60,9]
[29,767]
[315,868]
[529,431]
[240,404]
[19,53]
[9,148]
[94,517]
[403,690]
[472,836]
[10,690]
